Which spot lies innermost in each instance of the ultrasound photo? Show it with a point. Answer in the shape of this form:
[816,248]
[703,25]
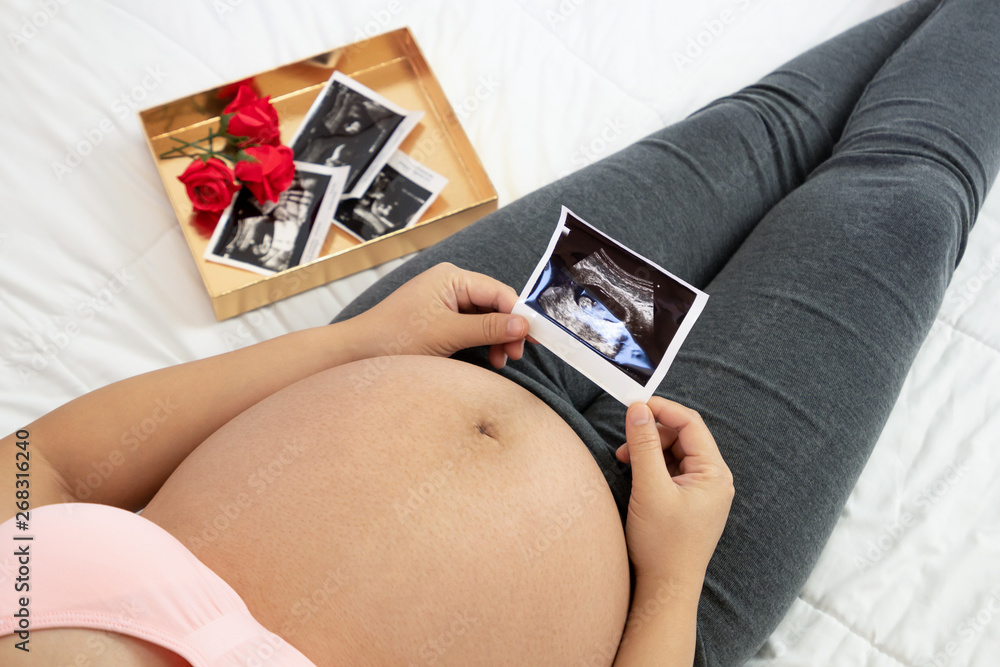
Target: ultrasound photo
[619,305]
[400,194]
[273,236]
[353,126]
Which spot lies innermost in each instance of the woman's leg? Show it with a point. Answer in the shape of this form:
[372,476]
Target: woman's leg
[686,196]
[813,324]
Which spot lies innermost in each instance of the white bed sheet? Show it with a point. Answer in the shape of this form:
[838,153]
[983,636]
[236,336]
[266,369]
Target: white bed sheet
[96,283]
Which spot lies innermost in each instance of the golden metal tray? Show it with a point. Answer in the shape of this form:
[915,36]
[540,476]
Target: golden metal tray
[390,64]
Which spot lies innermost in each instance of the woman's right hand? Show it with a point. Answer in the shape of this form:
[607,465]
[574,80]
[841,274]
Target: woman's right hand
[441,311]
[681,493]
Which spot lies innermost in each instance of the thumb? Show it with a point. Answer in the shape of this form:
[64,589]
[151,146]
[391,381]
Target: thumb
[488,329]
[645,449]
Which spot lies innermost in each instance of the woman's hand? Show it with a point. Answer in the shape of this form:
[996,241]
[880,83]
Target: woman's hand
[681,493]
[441,311]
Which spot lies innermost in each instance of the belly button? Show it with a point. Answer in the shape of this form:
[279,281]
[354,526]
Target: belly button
[485,428]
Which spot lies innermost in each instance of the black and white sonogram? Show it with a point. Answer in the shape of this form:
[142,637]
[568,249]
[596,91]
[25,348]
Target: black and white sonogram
[353,126]
[398,196]
[273,236]
[626,311]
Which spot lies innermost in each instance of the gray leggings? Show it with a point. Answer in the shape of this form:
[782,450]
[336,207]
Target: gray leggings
[824,210]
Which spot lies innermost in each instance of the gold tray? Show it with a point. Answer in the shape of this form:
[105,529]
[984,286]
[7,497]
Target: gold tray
[390,64]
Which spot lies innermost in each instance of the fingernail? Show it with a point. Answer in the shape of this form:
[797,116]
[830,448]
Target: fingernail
[515,326]
[640,415]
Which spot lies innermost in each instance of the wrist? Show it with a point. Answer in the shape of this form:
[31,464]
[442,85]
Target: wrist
[669,588]
[344,342]
[662,623]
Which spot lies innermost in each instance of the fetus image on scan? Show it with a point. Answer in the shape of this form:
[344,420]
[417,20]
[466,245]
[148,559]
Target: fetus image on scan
[613,301]
[272,235]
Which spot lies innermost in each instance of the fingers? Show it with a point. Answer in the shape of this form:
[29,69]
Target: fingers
[667,438]
[514,349]
[479,291]
[693,437]
[494,329]
[645,450]
[485,304]
[686,443]
[497,356]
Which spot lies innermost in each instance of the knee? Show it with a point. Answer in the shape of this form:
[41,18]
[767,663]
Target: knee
[923,159]
[906,198]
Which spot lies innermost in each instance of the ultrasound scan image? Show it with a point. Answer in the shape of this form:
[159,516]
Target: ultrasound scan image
[389,204]
[579,310]
[613,301]
[348,130]
[272,235]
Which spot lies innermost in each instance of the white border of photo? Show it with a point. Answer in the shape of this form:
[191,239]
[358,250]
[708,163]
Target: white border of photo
[317,235]
[580,356]
[417,173]
[410,121]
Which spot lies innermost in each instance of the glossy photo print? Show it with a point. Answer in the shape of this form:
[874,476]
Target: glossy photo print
[610,313]
[396,199]
[351,125]
[274,236]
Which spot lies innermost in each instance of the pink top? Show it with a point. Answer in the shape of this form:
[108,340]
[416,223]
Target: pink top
[96,566]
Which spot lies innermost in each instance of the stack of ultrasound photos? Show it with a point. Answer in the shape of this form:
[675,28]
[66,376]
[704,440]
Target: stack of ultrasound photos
[353,126]
[348,172]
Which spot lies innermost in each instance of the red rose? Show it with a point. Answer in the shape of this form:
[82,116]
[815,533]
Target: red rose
[209,184]
[253,118]
[228,92]
[269,174]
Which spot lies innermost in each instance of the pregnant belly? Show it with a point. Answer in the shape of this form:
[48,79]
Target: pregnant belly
[433,512]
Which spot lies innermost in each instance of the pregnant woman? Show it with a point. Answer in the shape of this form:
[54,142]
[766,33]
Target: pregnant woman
[386,490]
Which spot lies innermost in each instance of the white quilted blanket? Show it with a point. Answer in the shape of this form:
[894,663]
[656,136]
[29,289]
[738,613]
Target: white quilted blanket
[96,282]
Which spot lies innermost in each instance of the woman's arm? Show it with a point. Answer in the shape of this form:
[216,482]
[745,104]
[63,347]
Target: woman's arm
[681,494]
[117,445]
[661,626]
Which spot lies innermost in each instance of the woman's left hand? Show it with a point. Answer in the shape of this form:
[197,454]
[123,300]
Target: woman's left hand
[441,311]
